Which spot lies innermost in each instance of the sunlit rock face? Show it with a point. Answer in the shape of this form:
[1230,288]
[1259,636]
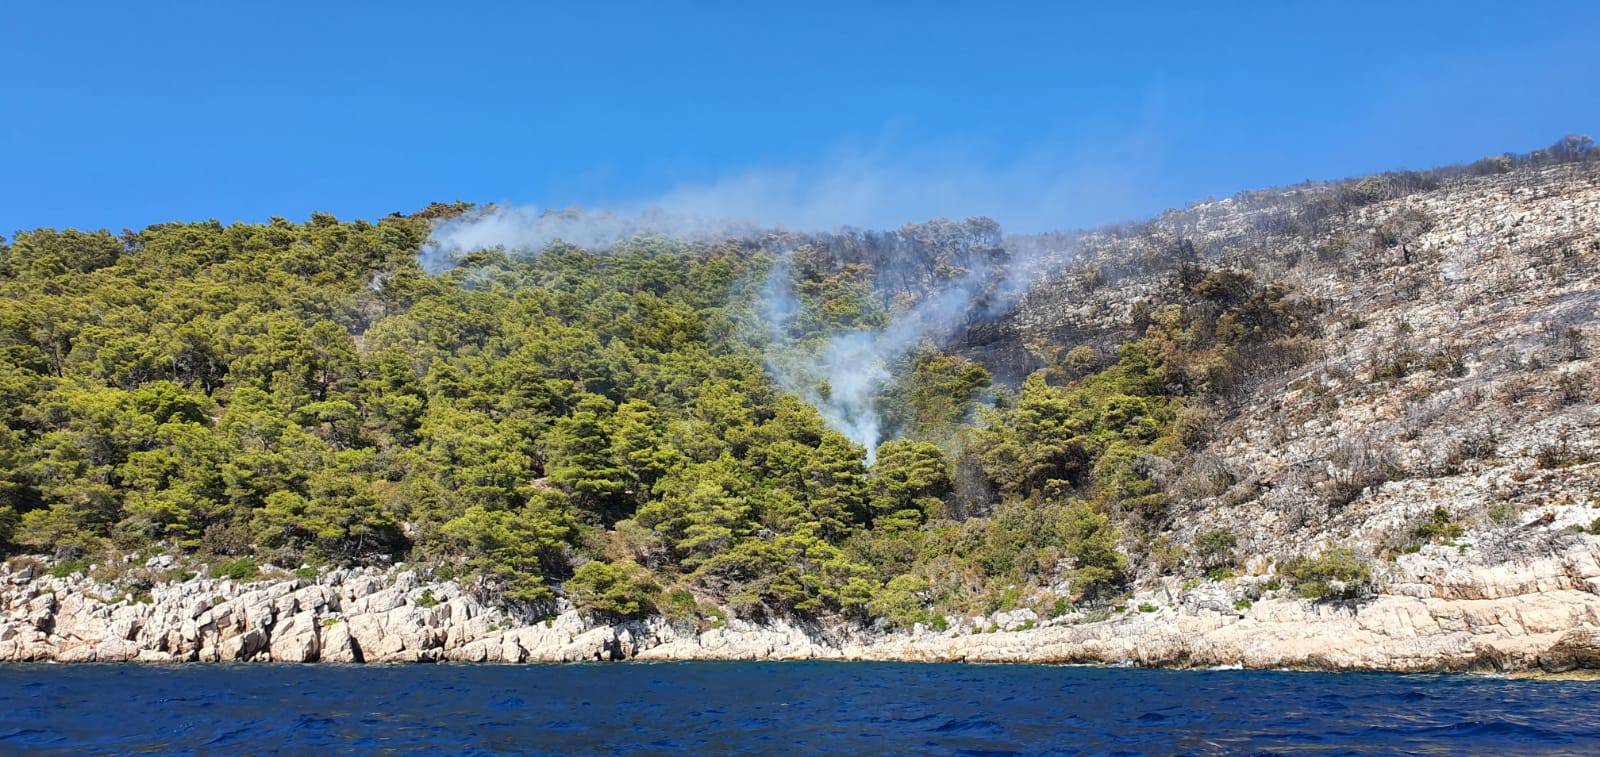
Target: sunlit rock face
[1441,613]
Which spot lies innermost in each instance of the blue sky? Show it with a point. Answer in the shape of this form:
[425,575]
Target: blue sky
[1042,115]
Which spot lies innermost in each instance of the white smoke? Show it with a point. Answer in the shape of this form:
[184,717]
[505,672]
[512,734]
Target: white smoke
[529,230]
[880,187]
[845,377]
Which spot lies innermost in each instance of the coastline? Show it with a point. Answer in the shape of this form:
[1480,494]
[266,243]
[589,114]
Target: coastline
[1537,618]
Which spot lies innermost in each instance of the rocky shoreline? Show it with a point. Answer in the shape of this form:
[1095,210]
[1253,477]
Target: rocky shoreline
[1533,616]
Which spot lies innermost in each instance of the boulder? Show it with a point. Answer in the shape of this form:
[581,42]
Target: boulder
[245,646]
[1578,648]
[337,645]
[295,639]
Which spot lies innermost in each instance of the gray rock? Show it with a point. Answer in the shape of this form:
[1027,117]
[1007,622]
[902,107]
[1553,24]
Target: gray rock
[296,639]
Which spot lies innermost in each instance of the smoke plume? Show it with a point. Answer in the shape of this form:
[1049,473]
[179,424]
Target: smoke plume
[844,377]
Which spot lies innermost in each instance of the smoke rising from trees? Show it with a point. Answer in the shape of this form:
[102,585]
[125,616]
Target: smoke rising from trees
[844,376]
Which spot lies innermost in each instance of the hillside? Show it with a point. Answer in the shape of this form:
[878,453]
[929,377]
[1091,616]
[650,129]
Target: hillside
[1348,424]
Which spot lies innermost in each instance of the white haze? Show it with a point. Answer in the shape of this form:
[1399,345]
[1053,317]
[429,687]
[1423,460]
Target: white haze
[1039,192]
[854,365]
[878,188]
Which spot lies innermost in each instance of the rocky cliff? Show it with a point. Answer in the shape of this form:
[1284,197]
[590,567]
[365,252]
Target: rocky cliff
[1439,613]
[1442,426]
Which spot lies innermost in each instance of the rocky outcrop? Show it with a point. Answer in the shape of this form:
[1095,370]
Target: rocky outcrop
[1455,381]
[1455,362]
[1434,613]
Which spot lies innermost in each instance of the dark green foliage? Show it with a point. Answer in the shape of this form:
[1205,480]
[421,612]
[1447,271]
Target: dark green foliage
[510,550]
[937,395]
[1438,525]
[67,568]
[611,591]
[242,569]
[578,457]
[909,481]
[1335,574]
[291,393]
[1214,549]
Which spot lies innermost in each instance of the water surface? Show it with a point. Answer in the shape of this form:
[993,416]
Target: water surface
[796,708]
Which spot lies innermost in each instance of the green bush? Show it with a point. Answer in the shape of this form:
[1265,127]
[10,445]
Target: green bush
[68,567]
[242,569]
[1335,574]
[1437,526]
[612,591]
[902,601]
[1504,513]
[679,606]
[1060,607]
[1214,548]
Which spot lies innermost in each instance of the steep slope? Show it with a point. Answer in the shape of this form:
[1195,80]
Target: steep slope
[1392,461]
[1455,367]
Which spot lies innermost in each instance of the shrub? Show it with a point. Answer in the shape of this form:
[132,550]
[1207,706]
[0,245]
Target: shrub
[427,599]
[1504,513]
[1335,574]
[1559,454]
[1359,465]
[680,607]
[68,567]
[242,569]
[1060,607]
[8,523]
[1214,548]
[1081,360]
[1447,363]
[1219,574]
[612,591]
[1089,540]
[1147,607]
[1395,365]
[1436,525]
[1165,555]
[1472,445]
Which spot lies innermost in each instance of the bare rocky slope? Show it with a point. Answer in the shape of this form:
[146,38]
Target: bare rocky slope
[1453,384]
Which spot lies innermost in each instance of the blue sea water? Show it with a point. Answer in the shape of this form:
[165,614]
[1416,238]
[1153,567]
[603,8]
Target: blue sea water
[792,708]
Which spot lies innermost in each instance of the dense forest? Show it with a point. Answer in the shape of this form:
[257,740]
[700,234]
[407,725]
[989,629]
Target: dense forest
[631,428]
[597,424]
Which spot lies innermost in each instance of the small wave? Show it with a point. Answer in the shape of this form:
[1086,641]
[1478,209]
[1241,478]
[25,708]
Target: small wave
[1494,727]
[766,708]
[23,734]
[969,725]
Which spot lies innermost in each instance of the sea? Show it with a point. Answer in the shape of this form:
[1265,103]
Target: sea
[787,708]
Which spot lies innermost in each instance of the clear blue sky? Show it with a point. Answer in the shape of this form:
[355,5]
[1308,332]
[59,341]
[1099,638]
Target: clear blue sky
[121,114]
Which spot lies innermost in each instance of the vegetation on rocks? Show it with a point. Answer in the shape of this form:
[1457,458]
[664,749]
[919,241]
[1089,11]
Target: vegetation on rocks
[615,427]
